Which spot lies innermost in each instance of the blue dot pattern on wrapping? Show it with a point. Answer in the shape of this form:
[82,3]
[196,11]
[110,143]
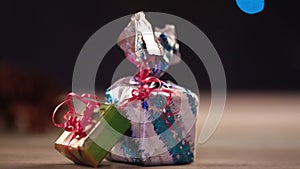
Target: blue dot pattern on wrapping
[192,102]
[178,145]
[164,42]
[134,151]
[251,6]
[109,98]
[145,105]
[158,101]
[180,152]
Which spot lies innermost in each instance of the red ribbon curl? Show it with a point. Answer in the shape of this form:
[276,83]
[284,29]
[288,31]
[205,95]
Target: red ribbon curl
[146,88]
[75,122]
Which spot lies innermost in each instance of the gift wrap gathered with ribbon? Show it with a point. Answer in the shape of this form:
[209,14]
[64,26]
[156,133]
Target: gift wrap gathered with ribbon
[145,120]
[162,114]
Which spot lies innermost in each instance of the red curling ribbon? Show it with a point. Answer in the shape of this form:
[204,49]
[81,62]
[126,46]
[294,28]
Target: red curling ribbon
[145,89]
[75,122]
[72,121]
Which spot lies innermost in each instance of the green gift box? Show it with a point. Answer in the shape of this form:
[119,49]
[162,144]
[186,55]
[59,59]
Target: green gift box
[93,148]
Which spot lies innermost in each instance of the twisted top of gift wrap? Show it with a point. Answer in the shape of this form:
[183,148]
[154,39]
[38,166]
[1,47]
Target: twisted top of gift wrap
[140,43]
[76,122]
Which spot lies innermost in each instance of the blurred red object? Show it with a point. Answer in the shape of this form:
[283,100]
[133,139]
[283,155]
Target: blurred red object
[26,99]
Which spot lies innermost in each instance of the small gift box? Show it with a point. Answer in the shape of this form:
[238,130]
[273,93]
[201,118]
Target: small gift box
[162,115]
[90,136]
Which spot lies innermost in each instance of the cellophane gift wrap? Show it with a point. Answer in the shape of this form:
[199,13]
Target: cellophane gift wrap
[162,115]
[90,136]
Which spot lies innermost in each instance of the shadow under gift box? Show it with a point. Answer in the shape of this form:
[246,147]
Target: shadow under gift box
[155,138]
[93,148]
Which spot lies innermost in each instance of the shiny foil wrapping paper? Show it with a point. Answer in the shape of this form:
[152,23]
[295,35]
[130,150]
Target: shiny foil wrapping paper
[162,115]
[155,138]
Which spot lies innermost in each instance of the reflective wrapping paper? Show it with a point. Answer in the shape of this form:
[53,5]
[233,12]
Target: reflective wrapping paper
[139,42]
[162,115]
[156,137]
[93,148]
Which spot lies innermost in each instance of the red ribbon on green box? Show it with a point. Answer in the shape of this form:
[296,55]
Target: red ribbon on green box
[76,142]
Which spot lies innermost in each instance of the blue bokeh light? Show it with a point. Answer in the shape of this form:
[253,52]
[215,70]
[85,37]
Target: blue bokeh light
[251,6]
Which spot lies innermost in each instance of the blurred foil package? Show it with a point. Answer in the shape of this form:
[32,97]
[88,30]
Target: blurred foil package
[162,114]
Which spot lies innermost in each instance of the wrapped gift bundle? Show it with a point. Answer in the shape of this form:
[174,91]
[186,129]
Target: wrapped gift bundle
[162,114]
[90,136]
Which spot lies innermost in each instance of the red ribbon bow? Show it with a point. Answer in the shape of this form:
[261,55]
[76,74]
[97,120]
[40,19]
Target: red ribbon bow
[146,88]
[73,122]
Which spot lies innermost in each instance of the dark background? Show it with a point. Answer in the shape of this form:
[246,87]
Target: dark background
[40,41]
[259,52]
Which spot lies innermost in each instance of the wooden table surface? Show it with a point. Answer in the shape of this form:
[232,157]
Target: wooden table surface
[258,130]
